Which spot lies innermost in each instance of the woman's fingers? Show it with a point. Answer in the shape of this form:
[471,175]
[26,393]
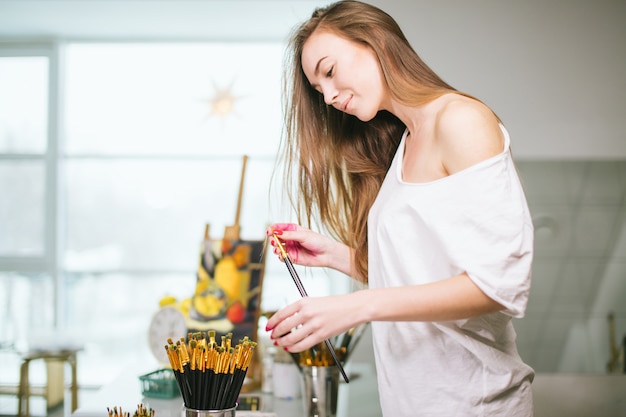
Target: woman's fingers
[276,231]
[279,317]
[299,337]
[278,228]
[302,325]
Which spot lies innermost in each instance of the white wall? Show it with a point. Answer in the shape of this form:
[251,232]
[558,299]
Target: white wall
[553,70]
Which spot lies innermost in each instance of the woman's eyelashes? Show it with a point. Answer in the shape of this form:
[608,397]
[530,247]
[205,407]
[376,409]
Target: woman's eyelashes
[329,73]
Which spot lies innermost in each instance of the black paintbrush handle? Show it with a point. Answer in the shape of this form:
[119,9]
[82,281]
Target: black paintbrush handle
[296,279]
[336,359]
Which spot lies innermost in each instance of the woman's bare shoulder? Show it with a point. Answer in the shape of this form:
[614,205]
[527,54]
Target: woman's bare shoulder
[466,131]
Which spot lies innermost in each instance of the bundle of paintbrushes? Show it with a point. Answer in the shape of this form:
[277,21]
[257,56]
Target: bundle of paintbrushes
[142,411]
[115,412]
[210,375]
[319,355]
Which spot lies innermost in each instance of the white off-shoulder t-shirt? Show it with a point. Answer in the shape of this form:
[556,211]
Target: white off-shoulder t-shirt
[475,221]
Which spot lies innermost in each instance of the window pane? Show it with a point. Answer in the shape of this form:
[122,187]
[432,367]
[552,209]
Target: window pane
[174,99]
[150,214]
[27,302]
[23,104]
[22,208]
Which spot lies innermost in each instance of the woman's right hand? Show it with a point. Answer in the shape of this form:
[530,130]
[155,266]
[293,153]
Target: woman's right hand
[308,248]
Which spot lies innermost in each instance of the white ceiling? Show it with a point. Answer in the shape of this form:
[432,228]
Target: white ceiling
[154,19]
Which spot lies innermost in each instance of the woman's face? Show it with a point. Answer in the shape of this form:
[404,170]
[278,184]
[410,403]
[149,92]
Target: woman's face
[346,73]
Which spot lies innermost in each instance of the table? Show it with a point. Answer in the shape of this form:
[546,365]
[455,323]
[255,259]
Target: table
[358,398]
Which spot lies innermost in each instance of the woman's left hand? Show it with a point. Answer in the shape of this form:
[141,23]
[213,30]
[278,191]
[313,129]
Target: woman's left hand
[310,320]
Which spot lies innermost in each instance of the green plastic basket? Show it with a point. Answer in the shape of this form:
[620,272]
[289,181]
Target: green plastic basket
[159,384]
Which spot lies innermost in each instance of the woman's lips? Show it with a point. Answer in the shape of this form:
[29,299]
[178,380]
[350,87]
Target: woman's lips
[344,106]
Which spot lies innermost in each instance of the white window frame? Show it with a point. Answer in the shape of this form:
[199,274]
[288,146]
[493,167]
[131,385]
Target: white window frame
[48,262]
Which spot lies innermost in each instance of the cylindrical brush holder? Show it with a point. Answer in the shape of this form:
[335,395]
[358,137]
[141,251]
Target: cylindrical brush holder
[229,412]
[321,388]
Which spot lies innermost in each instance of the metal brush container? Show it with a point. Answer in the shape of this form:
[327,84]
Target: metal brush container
[321,388]
[229,412]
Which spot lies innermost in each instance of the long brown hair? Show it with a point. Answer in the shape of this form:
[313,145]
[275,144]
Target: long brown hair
[335,163]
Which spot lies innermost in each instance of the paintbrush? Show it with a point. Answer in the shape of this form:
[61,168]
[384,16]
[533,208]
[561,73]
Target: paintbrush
[298,282]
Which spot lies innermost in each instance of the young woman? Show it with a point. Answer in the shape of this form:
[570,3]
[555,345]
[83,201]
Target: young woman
[415,184]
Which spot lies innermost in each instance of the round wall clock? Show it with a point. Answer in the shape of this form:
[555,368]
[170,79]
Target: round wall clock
[167,322]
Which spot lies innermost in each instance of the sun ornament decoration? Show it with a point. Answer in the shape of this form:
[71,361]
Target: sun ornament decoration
[223,102]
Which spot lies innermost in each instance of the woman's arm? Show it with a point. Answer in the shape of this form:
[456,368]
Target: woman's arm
[320,318]
[454,298]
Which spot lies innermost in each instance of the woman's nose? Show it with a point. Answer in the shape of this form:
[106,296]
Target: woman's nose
[330,95]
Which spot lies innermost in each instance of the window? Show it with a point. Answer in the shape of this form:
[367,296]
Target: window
[149,159]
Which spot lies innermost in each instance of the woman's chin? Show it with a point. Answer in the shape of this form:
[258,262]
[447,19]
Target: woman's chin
[365,117]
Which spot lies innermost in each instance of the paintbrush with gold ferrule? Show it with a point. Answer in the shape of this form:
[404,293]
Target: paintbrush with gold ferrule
[298,282]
